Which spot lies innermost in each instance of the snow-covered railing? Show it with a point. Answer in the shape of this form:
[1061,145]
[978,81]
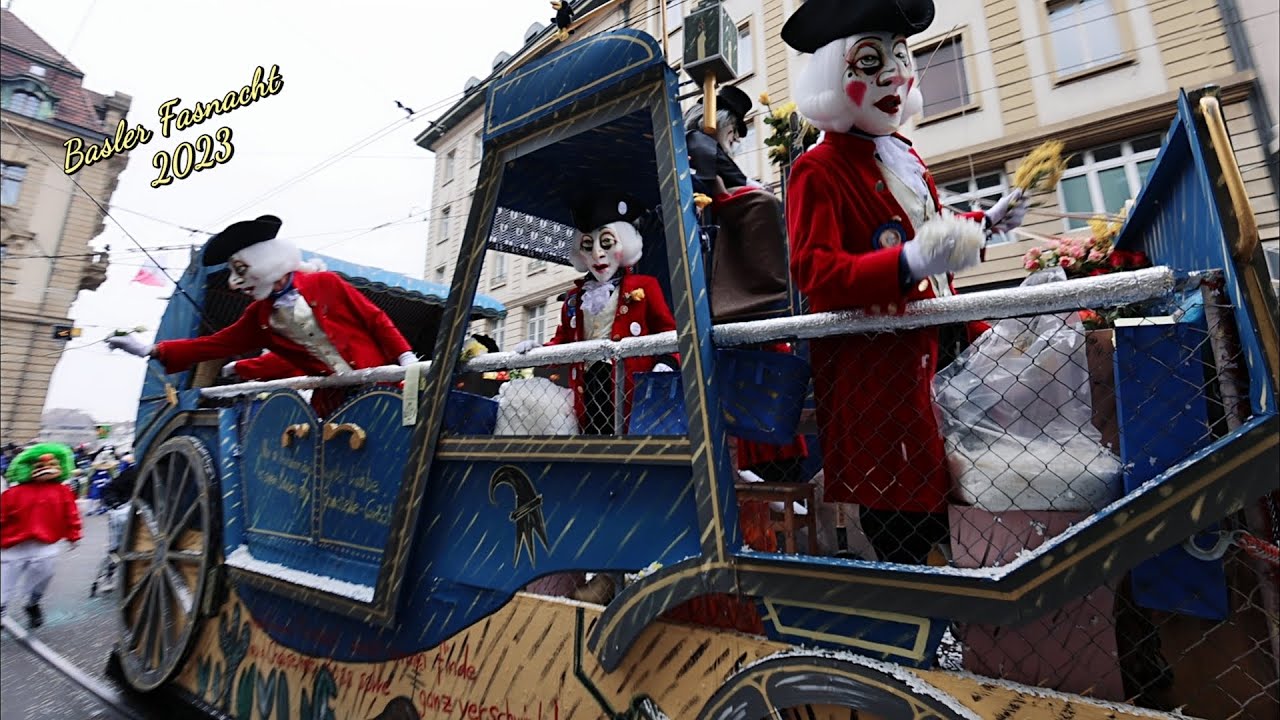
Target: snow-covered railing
[1095,292]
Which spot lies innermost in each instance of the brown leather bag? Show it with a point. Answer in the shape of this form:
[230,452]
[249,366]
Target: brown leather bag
[750,277]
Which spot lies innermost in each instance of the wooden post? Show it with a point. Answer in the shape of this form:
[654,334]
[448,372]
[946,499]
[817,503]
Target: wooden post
[709,103]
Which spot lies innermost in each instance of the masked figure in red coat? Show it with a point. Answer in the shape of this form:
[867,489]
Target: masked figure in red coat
[311,322]
[867,232]
[609,303]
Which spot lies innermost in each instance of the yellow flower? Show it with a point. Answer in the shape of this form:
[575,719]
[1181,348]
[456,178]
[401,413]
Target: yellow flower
[701,200]
[636,295]
[785,110]
[764,98]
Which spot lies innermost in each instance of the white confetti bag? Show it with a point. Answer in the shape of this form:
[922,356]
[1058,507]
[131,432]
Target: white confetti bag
[1015,413]
[535,406]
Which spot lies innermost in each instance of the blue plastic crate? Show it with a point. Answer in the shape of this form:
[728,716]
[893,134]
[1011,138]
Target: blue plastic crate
[762,394]
[470,414]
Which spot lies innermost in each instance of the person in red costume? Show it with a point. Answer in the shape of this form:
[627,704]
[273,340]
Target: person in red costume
[36,512]
[312,322]
[867,232]
[610,302]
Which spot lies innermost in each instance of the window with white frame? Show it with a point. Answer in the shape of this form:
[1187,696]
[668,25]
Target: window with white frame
[746,51]
[438,276]
[1271,251]
[477,147]
[1083,34]
[943,81]
[1101,180]
[498,272]
[445,224]
[535,265]
[675,14]
[535,322]
[975,193]
[749,149]
[450,161]
[11,177]
[496,329]
[24,103]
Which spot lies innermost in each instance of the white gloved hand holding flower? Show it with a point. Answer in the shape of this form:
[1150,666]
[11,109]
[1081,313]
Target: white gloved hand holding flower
[406,359]
[130,344]
[1009,212]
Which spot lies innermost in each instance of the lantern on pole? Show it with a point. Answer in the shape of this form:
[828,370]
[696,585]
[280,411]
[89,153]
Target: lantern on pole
[710,52]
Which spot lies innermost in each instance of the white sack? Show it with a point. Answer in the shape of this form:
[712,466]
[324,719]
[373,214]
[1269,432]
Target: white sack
[1016,415]
[535,406]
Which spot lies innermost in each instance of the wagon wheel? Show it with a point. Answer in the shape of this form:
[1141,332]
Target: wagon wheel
[165,551]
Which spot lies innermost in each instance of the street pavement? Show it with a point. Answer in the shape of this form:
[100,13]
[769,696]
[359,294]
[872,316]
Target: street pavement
[80,628]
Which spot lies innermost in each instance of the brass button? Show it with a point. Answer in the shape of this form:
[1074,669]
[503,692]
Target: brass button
[624,310]
[892,309]
[616,338]
[875,309]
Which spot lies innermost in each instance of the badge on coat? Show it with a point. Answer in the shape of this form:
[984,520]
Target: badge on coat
[890,234]
[635,328]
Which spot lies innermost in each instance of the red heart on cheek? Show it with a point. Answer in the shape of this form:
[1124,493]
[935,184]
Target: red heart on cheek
[857,91]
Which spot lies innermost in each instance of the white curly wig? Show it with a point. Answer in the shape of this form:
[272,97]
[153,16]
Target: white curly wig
[820,96]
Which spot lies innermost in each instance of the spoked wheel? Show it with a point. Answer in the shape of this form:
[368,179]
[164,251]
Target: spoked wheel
[166,552]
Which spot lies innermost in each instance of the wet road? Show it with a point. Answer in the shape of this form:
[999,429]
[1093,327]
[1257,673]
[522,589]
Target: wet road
[80,628]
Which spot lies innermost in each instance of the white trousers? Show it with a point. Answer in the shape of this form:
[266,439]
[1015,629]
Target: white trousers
[34,574]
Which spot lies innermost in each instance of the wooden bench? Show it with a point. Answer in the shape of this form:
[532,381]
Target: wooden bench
[787,521]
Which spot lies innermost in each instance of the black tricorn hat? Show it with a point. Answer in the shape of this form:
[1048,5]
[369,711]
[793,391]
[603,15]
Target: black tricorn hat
[731,98]
[600,210]
[239,236]
[818,22]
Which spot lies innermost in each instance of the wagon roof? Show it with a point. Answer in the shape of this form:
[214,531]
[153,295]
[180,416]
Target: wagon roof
[403,286]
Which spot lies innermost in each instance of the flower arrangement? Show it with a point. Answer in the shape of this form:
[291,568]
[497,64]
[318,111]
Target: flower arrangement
[791,133]
[1090,256]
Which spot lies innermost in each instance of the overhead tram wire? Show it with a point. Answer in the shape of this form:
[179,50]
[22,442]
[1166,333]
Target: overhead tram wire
[384,131]
[101,208]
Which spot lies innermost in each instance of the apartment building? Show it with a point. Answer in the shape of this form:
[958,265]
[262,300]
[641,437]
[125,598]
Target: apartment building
[46,222]
[999,77]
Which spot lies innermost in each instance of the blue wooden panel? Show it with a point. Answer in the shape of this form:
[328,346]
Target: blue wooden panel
[357,487]
[588,67]
[1163,418]
[1175,220]
[903,639]
[501,525]
[279,482]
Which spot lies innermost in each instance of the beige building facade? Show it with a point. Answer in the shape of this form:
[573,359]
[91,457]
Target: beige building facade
[46,222]
[999,78]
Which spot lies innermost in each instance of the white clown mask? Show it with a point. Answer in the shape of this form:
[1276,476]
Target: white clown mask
[879,75]
[256,269]
[604,250]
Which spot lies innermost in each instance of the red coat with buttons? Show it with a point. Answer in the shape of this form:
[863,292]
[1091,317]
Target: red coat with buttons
[359,330]
[880,440]
[642,310]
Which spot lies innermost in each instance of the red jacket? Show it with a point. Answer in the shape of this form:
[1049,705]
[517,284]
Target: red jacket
[642,310]
[41,511]
[880,440]
[361,333]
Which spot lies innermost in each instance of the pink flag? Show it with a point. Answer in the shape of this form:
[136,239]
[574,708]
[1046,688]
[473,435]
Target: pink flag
[151,274]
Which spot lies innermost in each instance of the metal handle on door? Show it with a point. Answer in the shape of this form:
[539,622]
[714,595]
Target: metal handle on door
[358,436]
[299,431]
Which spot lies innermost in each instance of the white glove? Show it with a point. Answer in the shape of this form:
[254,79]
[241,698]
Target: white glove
[525,346]
[406,359]
[129,344]
[229,371]
[1009,212]
[662,367]
[943,245]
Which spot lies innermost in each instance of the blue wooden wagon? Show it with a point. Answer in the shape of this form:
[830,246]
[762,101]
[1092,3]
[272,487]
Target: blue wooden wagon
[386,529]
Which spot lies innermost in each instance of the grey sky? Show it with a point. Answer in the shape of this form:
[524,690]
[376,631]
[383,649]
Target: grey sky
[344,66]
